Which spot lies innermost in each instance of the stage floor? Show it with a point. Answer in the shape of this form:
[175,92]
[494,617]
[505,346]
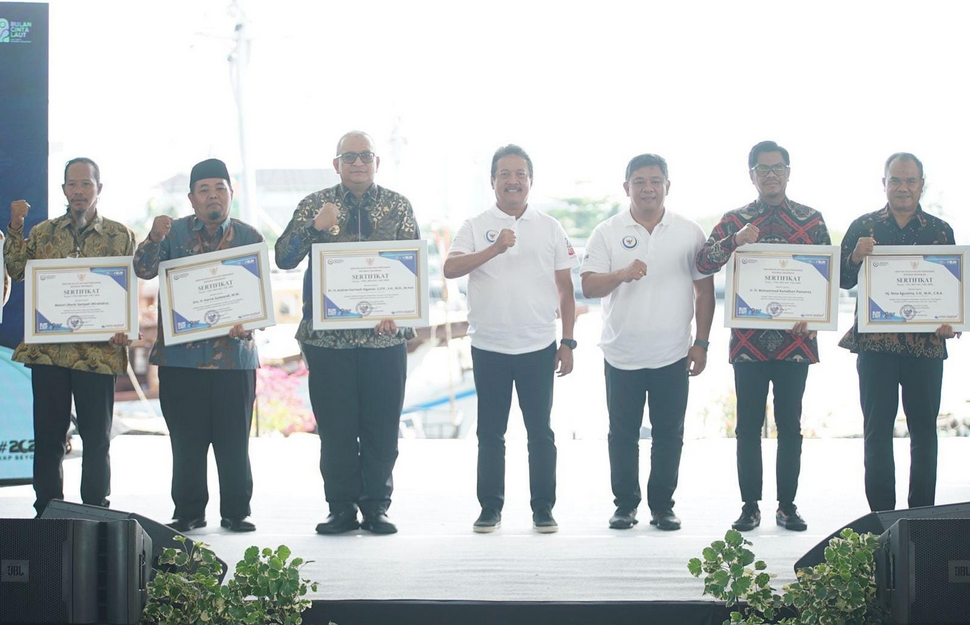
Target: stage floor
[436,556]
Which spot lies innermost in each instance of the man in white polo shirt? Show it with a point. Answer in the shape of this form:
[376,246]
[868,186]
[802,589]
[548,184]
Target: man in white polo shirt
[518,263]
[641,262]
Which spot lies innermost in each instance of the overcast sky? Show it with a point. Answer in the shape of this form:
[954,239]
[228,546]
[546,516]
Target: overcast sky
[144,88]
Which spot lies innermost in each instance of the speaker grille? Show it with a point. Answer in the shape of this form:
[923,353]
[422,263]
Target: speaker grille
[935,543]
[41,598]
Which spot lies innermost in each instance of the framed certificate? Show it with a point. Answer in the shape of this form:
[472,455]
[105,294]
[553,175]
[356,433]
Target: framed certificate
[204,296]
[772,286]
[356,285]
[75,300]
[913,288]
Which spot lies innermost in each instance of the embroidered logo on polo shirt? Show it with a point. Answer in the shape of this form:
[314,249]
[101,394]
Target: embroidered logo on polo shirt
[569,248]
[629,242]
[491,235]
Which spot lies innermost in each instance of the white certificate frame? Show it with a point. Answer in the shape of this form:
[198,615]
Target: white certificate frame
[898,323]
[814,255]
[34,331]
[347,319]
[186,330]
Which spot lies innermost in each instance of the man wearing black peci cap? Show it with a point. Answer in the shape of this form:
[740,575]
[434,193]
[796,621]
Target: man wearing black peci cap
[207,388]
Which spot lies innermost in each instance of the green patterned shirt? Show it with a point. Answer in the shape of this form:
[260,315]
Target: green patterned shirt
[391,219]
[58,238]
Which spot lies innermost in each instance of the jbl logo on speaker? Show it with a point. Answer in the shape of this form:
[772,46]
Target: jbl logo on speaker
[960,571]
[14,571]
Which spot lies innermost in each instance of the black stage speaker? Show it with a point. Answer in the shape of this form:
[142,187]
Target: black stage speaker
[57,571]
[879,522]
[163,536]
[923,571]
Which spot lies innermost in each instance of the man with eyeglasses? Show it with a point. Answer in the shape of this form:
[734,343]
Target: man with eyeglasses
[59,371]
[519,263]
[888,362]
[357,377]
[763,357]
[641,262]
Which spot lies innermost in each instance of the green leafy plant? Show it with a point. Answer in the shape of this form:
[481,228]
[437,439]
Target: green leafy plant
[732,575]
[843,588]
[839,591]
[265,588]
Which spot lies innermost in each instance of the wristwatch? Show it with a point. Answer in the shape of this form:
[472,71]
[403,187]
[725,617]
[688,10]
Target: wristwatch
[702,344]
[570,343]
[334,230]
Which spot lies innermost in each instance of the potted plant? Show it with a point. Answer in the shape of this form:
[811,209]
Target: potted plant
[840,590]
[266,587]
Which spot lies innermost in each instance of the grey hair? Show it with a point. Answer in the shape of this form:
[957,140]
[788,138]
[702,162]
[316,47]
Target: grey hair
[354,133]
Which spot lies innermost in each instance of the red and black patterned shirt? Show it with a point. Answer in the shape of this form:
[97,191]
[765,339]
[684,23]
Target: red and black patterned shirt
[789,222]
[922,229]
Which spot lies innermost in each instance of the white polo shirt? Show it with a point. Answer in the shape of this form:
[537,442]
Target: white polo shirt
[647,323]
[512,299]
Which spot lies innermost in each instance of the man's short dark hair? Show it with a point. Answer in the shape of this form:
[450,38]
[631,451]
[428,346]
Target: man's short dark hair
[646,160]
[87,161]
[903,156]
[510,150]
[767,146]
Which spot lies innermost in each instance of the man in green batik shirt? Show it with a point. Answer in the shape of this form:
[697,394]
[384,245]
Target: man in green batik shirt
[86,371]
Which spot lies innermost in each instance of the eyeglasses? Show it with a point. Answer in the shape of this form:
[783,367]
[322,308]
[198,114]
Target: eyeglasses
[351,157]
[762,170]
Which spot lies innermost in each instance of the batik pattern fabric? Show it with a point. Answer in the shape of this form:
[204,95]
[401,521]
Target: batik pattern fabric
[60,238]
[188,238]
[922,229]
[378,215]
[787,223]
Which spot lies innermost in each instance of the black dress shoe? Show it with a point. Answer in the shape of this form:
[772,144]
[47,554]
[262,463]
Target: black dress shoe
[488,521]
[750,517]
[623,518]
[378,523]
[665,520]
[187,525]
[787,516]
[238,525]
[339,522]
[543,522]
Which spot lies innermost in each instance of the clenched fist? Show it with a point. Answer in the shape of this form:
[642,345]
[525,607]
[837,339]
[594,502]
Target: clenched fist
[634,271]
[18,212]
[504,240]
[748,234]
[326,217]
[160,228]
[863,248]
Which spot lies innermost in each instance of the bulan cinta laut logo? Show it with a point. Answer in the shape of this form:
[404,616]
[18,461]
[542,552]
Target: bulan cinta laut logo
[14,32]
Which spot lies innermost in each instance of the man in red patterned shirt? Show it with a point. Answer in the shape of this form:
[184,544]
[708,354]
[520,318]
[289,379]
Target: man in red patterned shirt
[760,357]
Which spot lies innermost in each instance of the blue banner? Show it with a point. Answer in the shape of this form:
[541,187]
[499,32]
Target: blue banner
[23,175]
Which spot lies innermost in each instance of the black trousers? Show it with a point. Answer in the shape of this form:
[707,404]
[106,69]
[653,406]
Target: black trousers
[880,377]
[751,381]
[664,391]
[205,407]
[94,399]
[532,375]
[357,395]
